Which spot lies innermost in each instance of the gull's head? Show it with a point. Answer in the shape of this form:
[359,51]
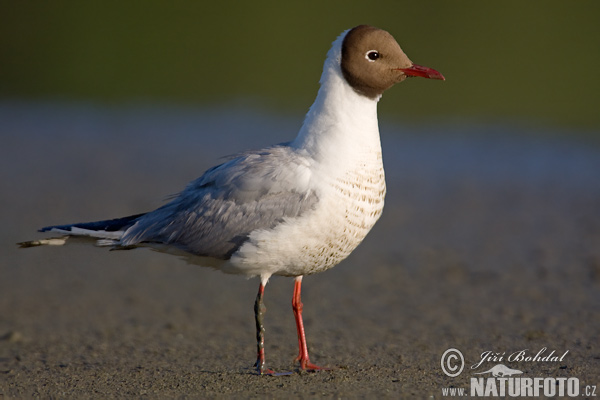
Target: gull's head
[372,61]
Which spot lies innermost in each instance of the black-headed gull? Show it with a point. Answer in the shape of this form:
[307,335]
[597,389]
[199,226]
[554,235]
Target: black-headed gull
[292,209]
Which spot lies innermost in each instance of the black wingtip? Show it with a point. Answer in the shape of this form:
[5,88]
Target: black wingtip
[110,225]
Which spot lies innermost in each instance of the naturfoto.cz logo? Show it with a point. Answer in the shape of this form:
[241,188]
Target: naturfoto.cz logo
[505,381]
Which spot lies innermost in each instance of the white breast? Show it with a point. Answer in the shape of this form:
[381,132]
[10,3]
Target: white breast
[348,208]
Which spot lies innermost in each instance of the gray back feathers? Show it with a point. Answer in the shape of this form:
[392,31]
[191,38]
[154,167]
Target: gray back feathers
[214,215]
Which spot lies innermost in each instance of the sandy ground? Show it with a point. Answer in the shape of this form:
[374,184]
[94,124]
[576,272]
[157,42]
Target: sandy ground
[489,242]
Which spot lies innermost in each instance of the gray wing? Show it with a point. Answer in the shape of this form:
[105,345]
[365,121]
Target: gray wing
[214,215]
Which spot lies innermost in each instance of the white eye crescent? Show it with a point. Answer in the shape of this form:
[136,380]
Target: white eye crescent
[372,55]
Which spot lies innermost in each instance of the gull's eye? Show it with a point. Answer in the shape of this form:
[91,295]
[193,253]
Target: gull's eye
[372,55]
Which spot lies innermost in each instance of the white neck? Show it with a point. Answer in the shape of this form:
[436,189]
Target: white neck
[341,124]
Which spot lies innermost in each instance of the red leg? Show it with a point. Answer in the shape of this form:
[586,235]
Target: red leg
[297,307]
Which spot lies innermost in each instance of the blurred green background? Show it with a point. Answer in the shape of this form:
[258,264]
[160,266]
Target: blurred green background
[517,61]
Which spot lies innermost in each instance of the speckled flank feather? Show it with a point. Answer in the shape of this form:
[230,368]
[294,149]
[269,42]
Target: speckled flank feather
[324,237]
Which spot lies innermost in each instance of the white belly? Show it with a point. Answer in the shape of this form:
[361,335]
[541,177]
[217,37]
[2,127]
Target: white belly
[349,205]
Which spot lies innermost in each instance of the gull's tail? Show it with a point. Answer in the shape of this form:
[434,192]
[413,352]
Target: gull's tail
[106,233]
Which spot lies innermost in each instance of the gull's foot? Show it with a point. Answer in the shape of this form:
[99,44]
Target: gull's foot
[306,365]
